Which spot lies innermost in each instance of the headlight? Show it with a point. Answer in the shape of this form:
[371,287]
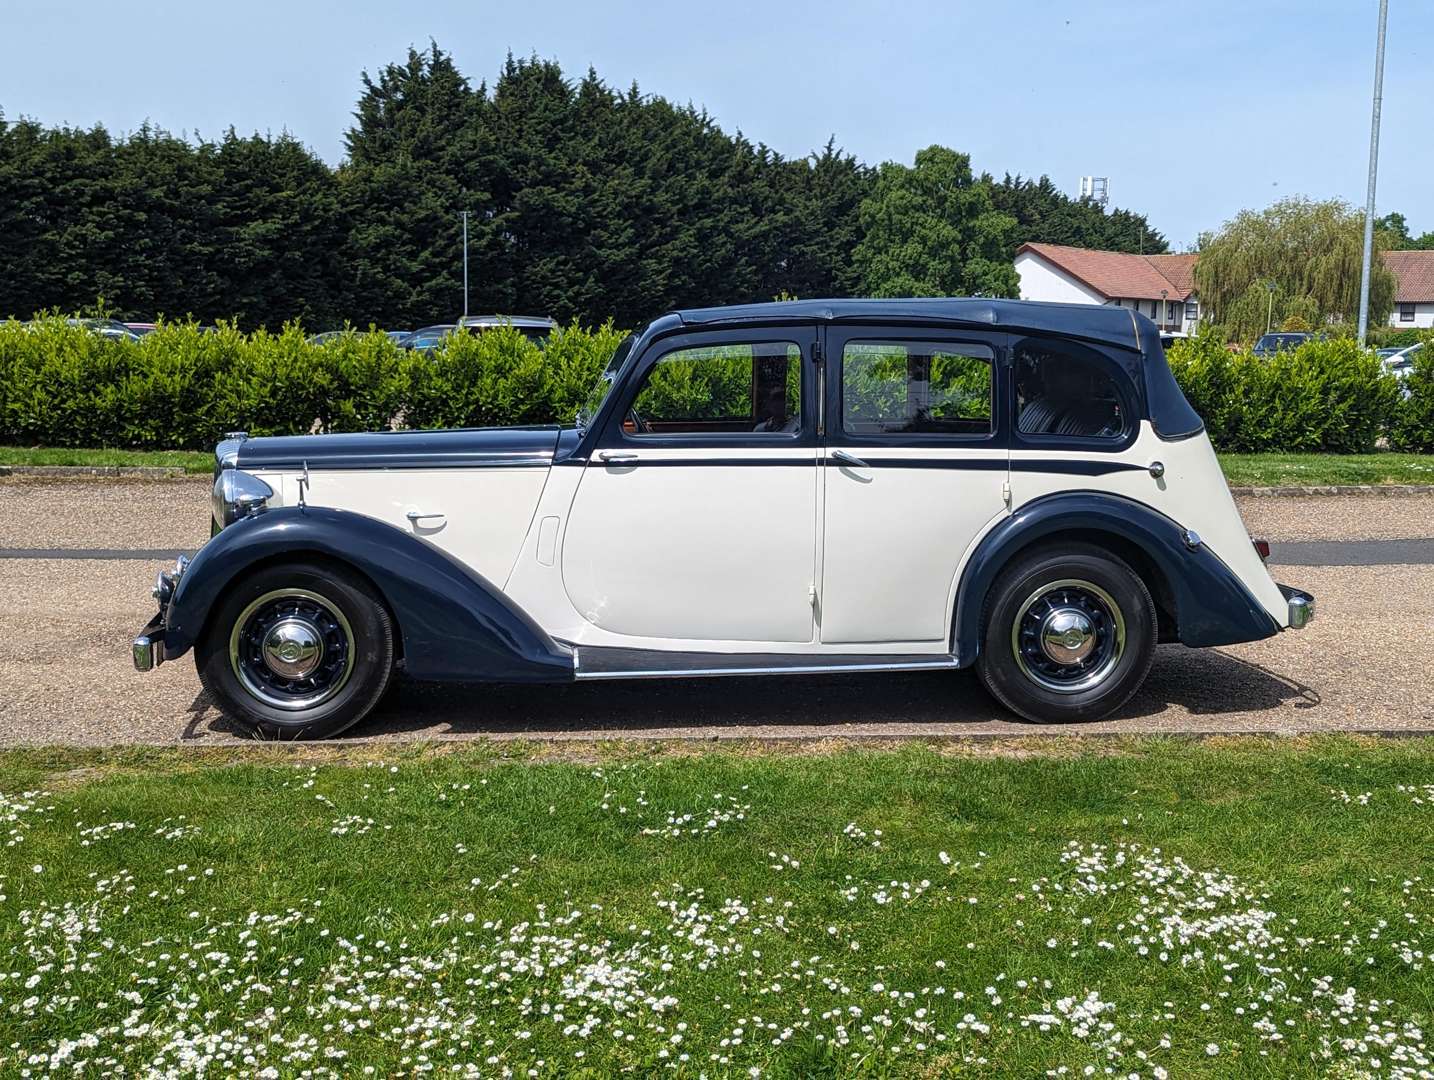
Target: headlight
[238,494]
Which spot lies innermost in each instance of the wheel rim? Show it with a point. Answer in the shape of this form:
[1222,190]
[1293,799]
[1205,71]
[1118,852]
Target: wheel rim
[292,649]
[1068,636]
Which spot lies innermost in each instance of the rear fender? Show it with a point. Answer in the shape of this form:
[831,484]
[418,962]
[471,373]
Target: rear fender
[1212,604]
[454,624]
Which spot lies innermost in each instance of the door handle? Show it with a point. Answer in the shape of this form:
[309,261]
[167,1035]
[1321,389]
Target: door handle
[611,457]
[849,459]
[415,518]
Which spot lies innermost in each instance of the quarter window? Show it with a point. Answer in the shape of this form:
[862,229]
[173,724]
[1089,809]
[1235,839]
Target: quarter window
[1069,390]
[733,389]
[916,387]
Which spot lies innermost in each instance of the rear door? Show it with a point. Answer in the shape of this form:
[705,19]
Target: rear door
[916,469]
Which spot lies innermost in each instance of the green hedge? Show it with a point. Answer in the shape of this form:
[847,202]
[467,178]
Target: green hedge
[1413,427]
[179,388]
[1329,396]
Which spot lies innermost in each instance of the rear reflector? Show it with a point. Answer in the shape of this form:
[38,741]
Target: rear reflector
[1262,547]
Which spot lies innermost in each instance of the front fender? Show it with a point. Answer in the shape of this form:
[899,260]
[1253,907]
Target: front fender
[454,623]
[1213,606]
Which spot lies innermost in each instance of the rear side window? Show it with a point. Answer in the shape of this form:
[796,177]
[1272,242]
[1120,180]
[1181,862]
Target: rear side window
[891,387]
[1068,390]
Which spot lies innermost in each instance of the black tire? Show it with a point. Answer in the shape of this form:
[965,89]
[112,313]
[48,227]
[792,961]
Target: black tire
[331,618]
[1069,635]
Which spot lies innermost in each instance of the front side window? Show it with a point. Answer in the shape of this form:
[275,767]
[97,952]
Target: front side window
[1070,390]
[891,387]
[734,389]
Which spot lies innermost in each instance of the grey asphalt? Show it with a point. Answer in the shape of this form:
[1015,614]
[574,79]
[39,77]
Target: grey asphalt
[1418,552]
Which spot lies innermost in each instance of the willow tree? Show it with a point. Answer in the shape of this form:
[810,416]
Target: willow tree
[1296,259]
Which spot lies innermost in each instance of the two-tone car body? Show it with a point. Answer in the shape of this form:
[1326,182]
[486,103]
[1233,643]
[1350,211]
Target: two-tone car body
[845,485]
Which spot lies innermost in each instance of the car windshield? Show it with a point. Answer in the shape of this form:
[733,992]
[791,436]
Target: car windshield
[598,394]
[1272,342]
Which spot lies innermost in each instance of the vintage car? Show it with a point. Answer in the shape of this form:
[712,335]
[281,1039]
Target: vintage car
[812,486]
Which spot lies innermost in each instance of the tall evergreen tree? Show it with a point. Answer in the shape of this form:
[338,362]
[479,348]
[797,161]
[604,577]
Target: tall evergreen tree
[932,230]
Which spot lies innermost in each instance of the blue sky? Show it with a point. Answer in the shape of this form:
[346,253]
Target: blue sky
[1193,111]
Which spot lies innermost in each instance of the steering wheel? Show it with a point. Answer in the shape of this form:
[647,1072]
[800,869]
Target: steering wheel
[639,425]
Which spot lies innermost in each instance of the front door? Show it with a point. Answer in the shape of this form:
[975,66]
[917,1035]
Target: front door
[915,470]
[695,521]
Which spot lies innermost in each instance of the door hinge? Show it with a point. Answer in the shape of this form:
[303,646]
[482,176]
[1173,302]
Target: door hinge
[1006,493]
[812,594]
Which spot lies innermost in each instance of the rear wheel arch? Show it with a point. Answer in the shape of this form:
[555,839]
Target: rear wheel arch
[1117,524]
[1122,547]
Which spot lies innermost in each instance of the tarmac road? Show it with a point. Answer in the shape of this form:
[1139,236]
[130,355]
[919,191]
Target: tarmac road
[66,678]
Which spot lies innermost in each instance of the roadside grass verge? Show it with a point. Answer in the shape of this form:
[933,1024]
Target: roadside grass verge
[191,461]
[1147,907]
[1248,470]
[1295,470]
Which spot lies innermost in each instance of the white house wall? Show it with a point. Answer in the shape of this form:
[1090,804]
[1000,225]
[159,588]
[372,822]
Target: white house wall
[1042,281]
[1423,317]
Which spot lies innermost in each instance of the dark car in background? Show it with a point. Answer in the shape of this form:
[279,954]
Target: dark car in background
[1278,343]
[427,338]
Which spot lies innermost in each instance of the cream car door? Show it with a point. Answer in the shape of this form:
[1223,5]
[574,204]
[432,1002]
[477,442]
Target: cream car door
[695,520]
[915,470]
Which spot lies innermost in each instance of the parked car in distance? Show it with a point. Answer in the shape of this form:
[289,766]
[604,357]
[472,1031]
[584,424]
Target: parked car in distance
[1400,363]
[1269,344]
[533,327]
[142,328]
[428,338]
[397,336]
[798,487]
[112,329]
[1170,337]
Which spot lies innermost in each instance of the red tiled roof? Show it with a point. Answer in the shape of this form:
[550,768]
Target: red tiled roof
[1179,270]
[1118,274]
[1415,271]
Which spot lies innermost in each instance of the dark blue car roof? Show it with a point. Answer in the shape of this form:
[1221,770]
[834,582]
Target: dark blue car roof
[1108,325]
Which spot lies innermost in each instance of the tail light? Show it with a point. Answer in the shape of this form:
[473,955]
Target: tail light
[1262,548]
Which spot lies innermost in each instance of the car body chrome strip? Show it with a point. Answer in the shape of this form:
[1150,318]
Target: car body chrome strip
[943,662]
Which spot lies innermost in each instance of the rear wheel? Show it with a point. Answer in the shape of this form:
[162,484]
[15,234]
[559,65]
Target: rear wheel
[297,651]
[1070,635]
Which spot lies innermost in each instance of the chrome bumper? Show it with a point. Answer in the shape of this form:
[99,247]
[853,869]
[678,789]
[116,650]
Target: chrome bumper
[148,648]
[1301,607]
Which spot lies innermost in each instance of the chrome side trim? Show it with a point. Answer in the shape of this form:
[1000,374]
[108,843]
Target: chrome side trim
[939,663]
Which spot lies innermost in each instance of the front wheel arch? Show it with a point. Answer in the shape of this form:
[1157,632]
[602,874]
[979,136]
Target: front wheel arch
[313,558]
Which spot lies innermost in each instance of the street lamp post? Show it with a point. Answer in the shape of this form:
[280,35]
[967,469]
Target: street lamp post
[1373,169]
[1270,309]
[465,263]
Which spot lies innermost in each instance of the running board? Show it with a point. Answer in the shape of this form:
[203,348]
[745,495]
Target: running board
[607,662]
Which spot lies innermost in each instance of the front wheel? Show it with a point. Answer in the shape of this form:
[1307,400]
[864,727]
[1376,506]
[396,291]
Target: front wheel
[1070,635]
[297,651]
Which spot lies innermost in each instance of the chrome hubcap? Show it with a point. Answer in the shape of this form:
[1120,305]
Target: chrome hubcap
[293,648]
[1068,636]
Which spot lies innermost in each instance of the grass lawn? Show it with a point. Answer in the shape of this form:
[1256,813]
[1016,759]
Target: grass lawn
[1278,470]
[1254,470]
[1247,907]
[193,461]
